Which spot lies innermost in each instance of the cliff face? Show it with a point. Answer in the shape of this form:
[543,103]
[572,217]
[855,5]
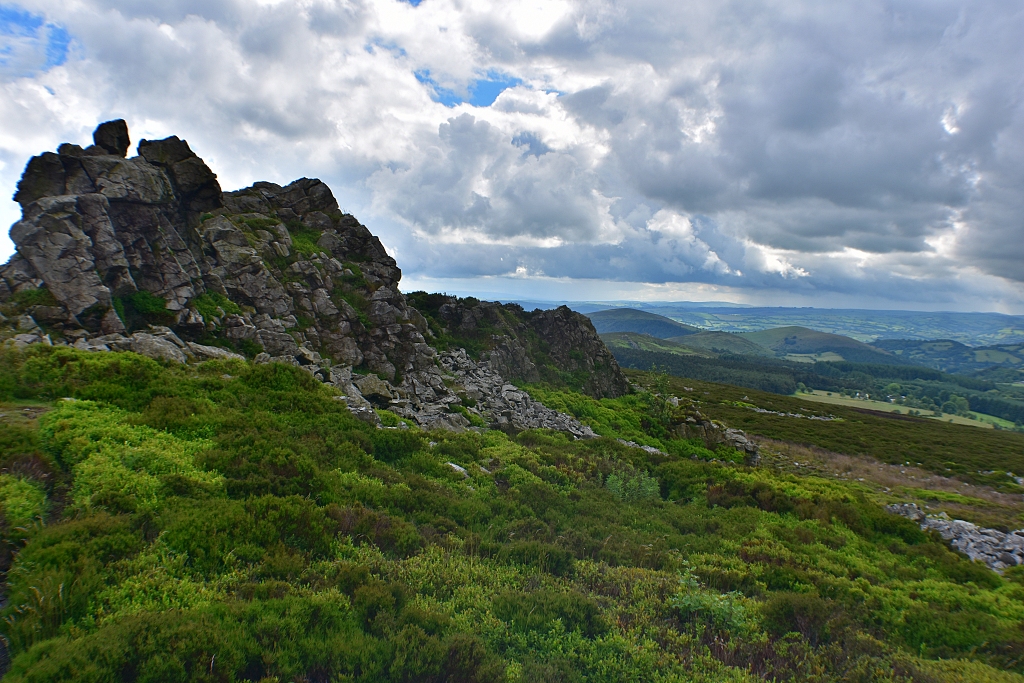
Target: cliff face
[148,253]
[558,346]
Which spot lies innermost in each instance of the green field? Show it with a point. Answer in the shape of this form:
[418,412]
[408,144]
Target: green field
[980,419]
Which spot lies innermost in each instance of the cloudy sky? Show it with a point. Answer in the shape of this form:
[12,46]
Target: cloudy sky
[843,153]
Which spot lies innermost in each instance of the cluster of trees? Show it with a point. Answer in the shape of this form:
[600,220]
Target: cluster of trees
[918,388]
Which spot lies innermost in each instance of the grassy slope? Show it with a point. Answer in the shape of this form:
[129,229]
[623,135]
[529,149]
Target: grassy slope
[632,320]
[233,522]
[980,419]
[724,342]
[800,340]
[938,446]
[645,342]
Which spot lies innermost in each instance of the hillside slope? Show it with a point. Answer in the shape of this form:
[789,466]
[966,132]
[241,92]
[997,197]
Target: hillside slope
[232,450]
[793,342]
[952,356]
[645,342]
[642,322]
[723,342]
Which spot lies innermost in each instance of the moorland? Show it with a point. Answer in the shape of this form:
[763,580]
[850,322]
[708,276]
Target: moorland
[232,449]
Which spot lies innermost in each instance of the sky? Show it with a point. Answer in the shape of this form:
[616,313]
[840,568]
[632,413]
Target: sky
[850,153]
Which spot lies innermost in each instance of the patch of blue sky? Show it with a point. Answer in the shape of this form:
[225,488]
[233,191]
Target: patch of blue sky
[59,40]
[481,92]
[29,43]
[15,21]
[414,3]
[439,94]
[486,90]
[389,47]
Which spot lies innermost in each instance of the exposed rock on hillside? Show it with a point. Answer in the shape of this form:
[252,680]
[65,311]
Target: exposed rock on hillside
[556,345]
[996,549]
[147,254]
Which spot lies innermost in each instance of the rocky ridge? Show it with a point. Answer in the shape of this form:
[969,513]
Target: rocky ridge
[148,254]
[998,550]
[556,345]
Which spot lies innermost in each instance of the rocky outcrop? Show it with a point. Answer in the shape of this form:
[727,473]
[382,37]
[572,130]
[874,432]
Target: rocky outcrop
[296,275]
[148,254]
[463,394]
[574,347]
[558,346]
[998,550]
[97,226]
[688,422]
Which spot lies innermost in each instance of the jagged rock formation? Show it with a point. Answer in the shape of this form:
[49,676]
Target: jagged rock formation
[996,549]
[148,254]
[556,345]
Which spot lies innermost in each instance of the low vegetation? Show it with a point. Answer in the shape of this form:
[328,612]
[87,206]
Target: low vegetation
[230,521]
[916,387]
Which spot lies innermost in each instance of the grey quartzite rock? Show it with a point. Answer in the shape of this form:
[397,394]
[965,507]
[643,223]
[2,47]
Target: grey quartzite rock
[277,271]
[996,549]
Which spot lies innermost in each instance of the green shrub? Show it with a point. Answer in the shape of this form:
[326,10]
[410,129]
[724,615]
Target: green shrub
[632,487]
[21,500]
[538,611]
[394,536]
[116,465]
[544,556]
[304,238]
[391,445]
[141,308]
[803,613]
[208,303]
[27,298]
[55,576]
[388,418]
[260,223]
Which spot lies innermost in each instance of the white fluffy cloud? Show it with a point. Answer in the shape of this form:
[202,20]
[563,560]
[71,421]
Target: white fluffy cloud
[777,151]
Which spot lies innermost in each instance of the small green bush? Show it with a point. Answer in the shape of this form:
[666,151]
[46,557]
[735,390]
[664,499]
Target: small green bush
[537,611]
[545,556]
[140,309]
[632,487]
[21,500]
[27,298]
[391,445]
[208,303]
[304,238]
[803,613]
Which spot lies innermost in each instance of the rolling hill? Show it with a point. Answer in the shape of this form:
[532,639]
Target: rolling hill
[632,320]
[804,345]
[645,342]
[952,356]
[723,342]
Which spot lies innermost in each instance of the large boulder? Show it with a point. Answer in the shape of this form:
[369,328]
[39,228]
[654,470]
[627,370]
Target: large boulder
[112,137]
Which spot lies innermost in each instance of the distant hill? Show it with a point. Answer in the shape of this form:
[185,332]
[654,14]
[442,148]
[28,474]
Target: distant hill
[975,329]
[951,356]
[723,342]
[645,342]
[632,320]
[802,344]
